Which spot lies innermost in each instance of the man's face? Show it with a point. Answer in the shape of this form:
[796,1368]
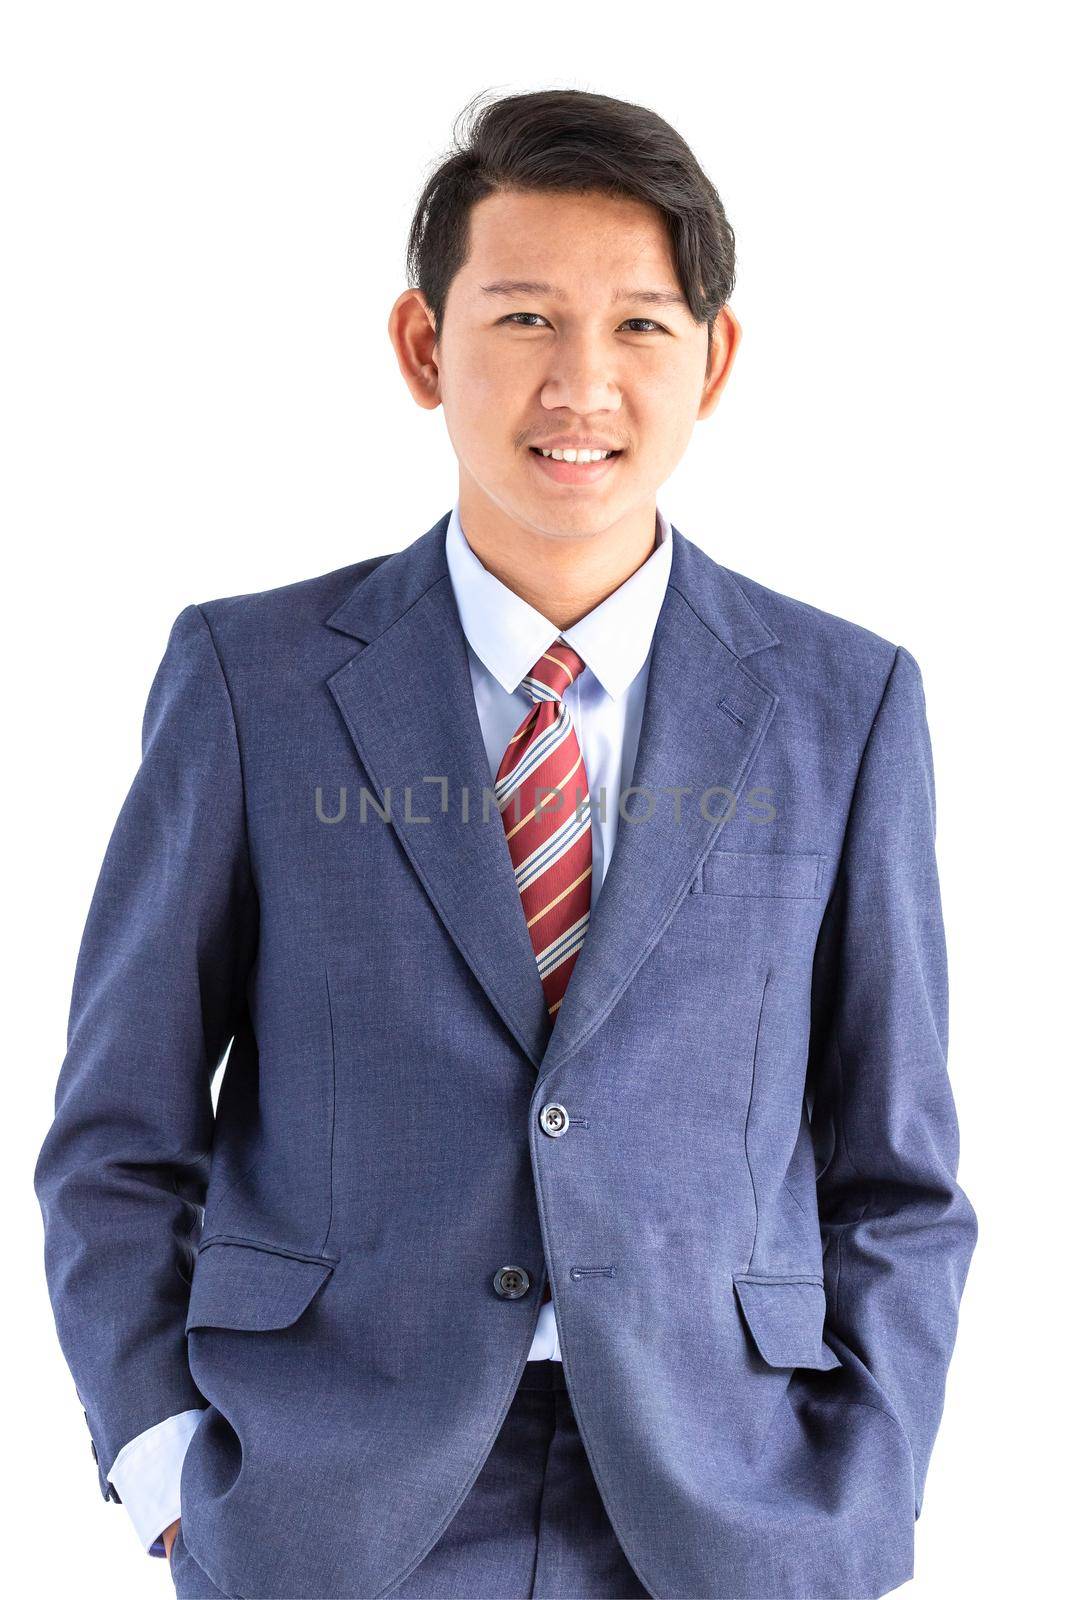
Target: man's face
[603,345]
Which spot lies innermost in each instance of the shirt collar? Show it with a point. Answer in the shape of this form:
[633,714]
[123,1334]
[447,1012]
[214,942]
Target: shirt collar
[509,635]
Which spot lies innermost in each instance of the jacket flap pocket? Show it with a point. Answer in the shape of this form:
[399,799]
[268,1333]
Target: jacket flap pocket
[782,873]
[785,1316]
[254,1286]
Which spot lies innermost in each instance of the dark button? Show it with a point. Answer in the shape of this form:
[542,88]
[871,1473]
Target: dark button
[511,1282]
[554,1119]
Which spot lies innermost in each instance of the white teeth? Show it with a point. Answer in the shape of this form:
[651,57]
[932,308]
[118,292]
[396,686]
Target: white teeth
[578,455]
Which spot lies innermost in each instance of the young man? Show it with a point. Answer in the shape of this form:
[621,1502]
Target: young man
[580,1213]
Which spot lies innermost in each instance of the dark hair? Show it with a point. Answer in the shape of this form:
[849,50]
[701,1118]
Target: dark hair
[569,139]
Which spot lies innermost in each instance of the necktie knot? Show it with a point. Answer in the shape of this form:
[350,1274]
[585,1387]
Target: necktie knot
[553,672]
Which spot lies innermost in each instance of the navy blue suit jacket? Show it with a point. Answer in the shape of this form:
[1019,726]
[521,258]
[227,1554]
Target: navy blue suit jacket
[752,1227]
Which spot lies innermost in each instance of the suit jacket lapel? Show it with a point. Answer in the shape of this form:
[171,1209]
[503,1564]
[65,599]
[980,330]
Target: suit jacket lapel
[408,703]
[704,718]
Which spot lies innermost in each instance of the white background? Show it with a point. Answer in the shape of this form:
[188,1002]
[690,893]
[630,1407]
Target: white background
[205,209]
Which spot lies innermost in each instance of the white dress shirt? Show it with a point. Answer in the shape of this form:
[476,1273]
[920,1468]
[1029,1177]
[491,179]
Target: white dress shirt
[506,636]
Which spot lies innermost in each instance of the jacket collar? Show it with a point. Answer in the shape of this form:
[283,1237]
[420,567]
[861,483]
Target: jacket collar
[407,701]
[388,591]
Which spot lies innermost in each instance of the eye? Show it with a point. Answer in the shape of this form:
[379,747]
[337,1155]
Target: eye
[513,316]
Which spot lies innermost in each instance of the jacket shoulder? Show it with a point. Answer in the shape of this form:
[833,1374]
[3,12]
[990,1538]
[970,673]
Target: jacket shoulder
[812,630]
[831,671]
[266,620]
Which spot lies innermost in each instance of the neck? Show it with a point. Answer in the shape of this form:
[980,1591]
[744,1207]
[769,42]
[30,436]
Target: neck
[562,575]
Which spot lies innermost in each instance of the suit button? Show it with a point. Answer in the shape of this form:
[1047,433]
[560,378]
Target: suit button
[511,1282]
[554,1119]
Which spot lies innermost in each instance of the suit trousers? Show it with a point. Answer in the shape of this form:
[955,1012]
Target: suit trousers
[532,1525]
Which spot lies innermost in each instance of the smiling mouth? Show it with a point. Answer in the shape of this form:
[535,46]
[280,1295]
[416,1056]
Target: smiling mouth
[594,455]
[575,474]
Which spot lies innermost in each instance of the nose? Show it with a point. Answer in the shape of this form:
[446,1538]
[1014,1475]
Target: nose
[581,377]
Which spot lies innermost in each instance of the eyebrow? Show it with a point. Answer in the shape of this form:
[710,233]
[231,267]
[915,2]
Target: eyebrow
[511,287]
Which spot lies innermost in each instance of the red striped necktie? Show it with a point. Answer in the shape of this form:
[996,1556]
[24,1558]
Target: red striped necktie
[540,784]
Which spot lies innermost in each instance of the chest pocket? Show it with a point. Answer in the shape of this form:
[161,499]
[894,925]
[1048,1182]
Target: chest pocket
[777,874]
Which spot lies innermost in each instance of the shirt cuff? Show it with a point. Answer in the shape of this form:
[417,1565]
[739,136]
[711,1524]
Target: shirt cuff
[147,1474]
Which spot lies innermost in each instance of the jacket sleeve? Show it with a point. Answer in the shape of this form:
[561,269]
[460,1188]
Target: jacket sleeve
[898,1231]
[159,983]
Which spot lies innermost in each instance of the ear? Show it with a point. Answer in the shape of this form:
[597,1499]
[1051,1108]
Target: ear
[411,328]
[727,336]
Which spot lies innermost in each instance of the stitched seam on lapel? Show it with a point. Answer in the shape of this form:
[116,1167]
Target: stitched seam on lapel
[770,639]
[738,666]
[365,638]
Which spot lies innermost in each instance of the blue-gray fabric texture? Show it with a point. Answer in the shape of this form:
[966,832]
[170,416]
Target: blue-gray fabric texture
[533,1523]
[753,1228]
